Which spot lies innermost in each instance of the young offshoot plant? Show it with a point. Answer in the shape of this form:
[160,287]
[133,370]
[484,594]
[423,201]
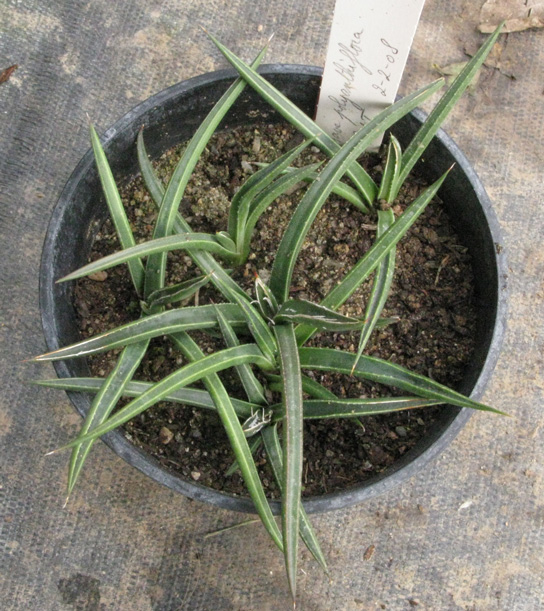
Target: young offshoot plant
[266,331]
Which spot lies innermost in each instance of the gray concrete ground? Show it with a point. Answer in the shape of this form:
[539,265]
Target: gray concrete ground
[465,535]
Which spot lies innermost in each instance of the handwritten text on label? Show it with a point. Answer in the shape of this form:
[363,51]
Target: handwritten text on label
[368,48]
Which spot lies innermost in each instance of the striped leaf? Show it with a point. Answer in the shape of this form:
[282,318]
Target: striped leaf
[185,396]
[266,302]
[109,393]
[274,454]
[177,292]
[298,119]
[234,431]
[184,319]
[428,130]
[168,210]
[317,409]
[309,386]
[317,193]
[152,182]
[292,446]
[341,189]
[186,241]
[116,209]
[377,252]
[391,172]
[327,406]
[301,311]
[384,372]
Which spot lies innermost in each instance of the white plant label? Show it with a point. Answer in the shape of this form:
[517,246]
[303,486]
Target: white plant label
[368,47]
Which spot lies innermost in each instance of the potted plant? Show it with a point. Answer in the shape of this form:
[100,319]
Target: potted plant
[265,334]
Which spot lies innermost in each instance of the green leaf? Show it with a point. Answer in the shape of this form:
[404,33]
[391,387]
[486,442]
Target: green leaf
[235,434]
[341,189]
[428,130]
[263,200]
[106,399]
[256,324]
[327,406]
[266,302]
[186,241]
[168,210]
[317,409]
[242,200]
[151,180]
[225,240]
[274,455]
[373,257]
[298,119]
[292,448]
[184,396]
[385,322]
[252,386]
[248,353]
[164,323]
[116,209]
[391,172]
[205,262]
[322,318]
[316,195]
[254,445]
[381,285]
[384,372]
[177,292]
[309,386]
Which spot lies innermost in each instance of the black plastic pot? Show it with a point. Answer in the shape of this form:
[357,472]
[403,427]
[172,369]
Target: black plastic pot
[171,117]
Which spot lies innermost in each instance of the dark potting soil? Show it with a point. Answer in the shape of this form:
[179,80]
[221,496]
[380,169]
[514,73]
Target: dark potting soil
[431,301]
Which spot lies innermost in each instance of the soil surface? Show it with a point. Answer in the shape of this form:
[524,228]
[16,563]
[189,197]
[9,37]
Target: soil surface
[431,297]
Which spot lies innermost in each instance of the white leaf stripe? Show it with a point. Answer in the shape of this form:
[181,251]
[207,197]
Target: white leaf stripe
[168,209]
[296,117]
[185,396]
[319,190]
[378,370]
[116,209]
[187,241]
[234,431]
[427,131]
[292,446]
[111,389]
[230,357]
[373,257]
[172,321]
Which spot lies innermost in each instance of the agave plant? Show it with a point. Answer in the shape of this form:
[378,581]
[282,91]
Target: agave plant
[278,325]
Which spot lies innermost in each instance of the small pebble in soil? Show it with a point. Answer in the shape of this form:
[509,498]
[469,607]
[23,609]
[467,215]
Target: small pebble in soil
[165,435]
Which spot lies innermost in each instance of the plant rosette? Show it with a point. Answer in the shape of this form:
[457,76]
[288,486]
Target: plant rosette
[273,325]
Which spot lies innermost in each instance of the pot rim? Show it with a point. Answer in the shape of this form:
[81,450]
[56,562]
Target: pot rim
[148,465]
